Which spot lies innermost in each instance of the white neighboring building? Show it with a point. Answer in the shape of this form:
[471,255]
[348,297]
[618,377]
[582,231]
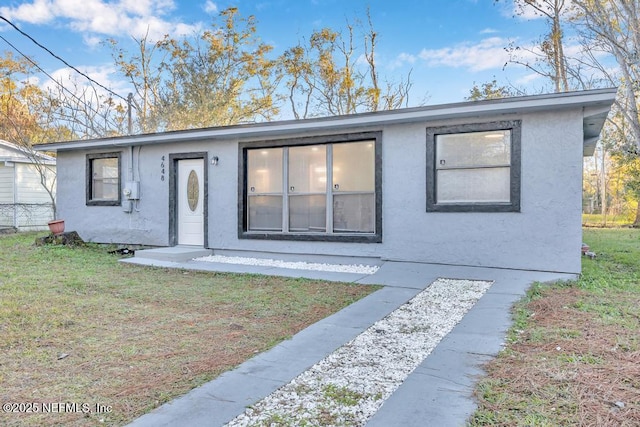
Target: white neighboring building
[24,202]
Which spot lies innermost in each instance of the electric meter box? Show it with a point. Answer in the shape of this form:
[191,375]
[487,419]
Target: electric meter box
[131,190]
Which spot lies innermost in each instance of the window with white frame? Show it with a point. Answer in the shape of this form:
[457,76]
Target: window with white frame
[312,189]
[474,168]
[103,179]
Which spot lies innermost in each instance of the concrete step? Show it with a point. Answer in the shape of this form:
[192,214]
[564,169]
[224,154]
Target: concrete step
[174,253]
[303,257]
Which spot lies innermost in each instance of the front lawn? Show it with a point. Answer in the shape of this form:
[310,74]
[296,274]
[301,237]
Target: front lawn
[92,341]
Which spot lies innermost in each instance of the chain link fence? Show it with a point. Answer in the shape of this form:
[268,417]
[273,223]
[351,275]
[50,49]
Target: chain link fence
[25,216]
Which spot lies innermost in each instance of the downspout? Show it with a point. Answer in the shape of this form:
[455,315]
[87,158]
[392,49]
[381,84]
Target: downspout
[130,130]
[128,202]
[15,195]
[130,169]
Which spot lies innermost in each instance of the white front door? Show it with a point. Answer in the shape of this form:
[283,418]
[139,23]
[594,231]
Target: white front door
[191,202]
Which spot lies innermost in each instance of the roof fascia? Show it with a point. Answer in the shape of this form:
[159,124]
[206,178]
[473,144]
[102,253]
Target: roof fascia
[600,99]
[24,155]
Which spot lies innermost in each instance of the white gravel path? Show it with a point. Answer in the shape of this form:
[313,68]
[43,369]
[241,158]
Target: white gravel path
[351,384]
[297,265]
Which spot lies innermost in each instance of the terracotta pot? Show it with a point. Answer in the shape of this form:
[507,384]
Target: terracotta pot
[56,226]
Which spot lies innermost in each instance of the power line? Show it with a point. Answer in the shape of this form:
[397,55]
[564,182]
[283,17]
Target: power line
[35,64]
[88,105]
[60,59]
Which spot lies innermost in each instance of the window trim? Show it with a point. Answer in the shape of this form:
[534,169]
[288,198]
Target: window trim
[243,147]
[515,167]
[89,179]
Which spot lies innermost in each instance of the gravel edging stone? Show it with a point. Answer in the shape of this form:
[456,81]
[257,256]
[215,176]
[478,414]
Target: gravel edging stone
[294,265]
[351,384]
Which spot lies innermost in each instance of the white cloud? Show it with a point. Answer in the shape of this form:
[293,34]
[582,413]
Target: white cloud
[143,7]
[487,54]
[77,85]
[361,60]
[210,7]
[91,41]
[528,79]
[516,9]
[572,48]
[403,59]
[103,18]
[67,74]
[489,31]
[525,11]
[37,12]
[187,29]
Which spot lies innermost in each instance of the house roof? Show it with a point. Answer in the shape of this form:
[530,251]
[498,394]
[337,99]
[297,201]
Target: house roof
[594,103]
[10,152]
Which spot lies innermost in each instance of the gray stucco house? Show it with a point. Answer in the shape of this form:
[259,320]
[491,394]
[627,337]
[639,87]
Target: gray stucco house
[494,183]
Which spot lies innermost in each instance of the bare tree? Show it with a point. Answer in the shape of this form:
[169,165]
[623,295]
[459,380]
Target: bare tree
[613,27]
[548,58]
[333,74]
[66,110]
[610,29]
[144,73]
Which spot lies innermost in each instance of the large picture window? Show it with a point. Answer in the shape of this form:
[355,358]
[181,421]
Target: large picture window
[313,189]
[474,168]
[103,179]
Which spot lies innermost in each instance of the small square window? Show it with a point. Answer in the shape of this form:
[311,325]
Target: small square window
[103,179]
[474,168]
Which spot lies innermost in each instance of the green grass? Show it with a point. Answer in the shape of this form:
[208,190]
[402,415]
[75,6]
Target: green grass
[342,395]
[599,220]
[573,350]
[134,337]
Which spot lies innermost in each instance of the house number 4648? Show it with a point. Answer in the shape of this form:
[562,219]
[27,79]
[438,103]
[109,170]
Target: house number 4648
[162,169]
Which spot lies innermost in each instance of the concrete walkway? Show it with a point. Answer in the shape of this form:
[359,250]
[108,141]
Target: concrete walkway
[438,392]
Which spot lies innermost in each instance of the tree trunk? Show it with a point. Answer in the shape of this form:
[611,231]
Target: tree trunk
[636,222]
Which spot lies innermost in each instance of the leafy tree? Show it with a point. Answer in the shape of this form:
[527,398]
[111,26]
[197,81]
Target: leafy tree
[225,76]
[222,76]
[17,120]
[22,107]
[30,114]
[631,165]
[627,168]
[490,90]
[223,81]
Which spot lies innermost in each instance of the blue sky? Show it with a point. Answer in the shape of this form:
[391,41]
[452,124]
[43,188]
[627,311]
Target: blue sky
[447,44]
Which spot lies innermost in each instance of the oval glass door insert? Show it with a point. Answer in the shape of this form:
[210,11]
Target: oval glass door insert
[193,192]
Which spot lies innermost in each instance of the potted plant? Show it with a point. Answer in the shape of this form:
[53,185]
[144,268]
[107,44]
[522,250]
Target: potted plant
[56,226]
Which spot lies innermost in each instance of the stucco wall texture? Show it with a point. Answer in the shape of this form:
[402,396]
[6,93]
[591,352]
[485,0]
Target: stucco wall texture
[545,235]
